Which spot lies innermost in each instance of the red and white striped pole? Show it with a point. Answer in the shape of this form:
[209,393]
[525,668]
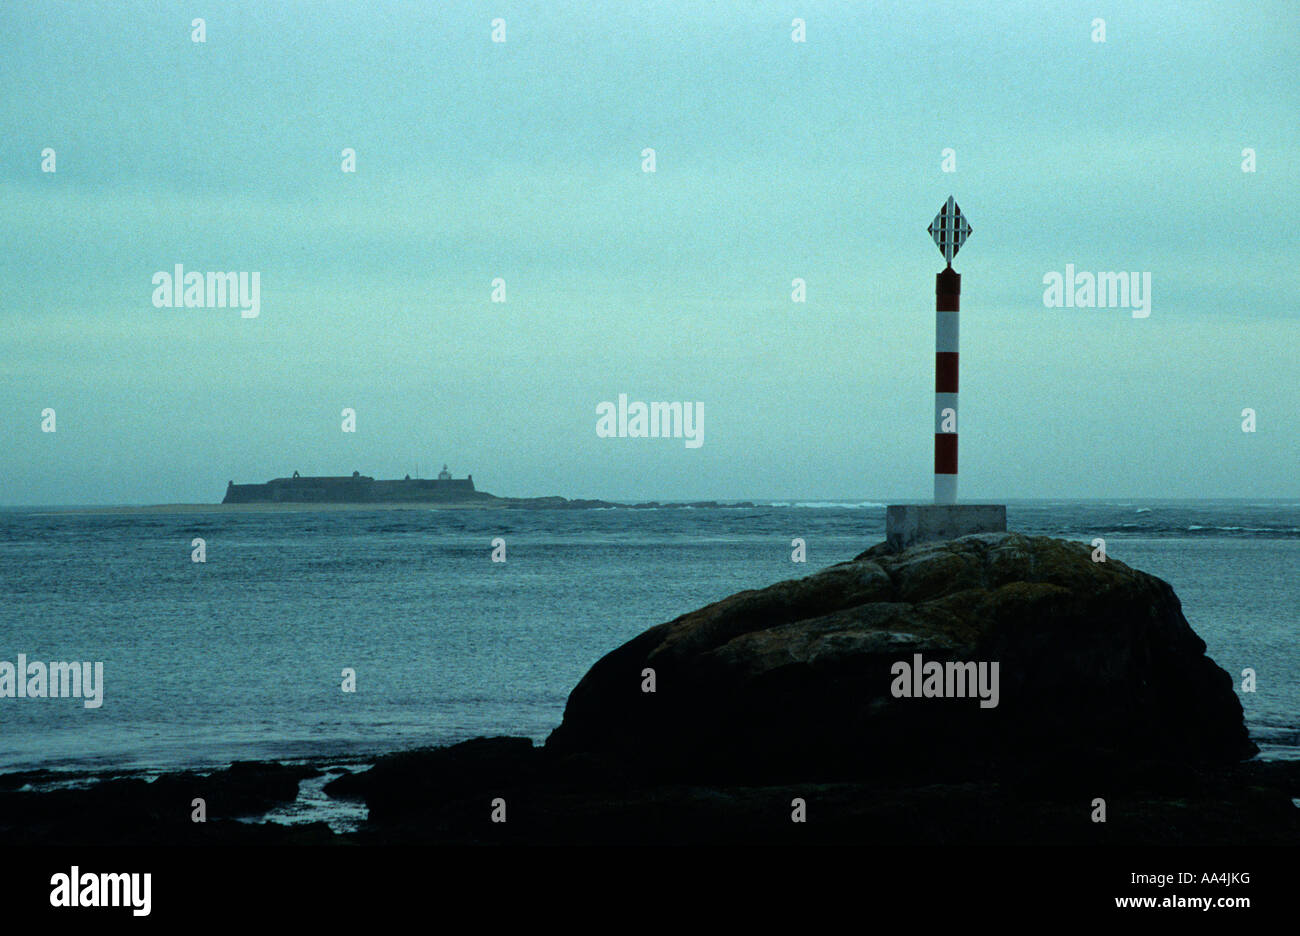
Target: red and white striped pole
[947,304]
[949,230]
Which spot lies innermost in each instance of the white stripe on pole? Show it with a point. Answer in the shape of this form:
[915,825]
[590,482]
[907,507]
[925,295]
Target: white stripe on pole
[945,489]
[947,331]
[943,401]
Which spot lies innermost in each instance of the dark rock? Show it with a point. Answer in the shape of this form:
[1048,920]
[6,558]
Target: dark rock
[133,810]
[22,778]
[411,781]
[1148,803]
[473,773]
[794,681]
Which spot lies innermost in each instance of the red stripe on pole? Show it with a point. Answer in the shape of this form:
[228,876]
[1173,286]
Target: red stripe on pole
[947,298]
[947,291]
[945,453]
[945,372]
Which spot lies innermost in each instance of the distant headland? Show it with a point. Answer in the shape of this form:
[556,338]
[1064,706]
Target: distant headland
[442,491]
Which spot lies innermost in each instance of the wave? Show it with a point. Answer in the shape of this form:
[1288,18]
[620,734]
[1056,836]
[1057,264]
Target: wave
[830,505]
[1194,529]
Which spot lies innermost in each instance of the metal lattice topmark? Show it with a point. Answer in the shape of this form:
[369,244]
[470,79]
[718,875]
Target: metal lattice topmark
[949,230]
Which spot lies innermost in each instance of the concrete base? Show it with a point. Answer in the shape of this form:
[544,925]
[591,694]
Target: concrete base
[908,524]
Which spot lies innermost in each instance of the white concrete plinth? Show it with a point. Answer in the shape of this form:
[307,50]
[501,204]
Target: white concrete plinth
[908,524]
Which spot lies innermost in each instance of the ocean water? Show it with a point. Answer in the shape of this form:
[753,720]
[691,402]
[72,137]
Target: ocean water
[241,657]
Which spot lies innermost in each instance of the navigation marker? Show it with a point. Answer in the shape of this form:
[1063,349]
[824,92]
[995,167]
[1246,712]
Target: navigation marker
[906,524]
[949,230]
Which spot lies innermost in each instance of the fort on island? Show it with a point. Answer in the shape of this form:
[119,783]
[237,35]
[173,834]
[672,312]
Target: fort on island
[355,489]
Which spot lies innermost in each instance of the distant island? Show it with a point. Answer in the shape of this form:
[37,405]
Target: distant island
[356,489]
[442,491]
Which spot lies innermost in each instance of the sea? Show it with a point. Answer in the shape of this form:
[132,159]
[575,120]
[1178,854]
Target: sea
[243,656]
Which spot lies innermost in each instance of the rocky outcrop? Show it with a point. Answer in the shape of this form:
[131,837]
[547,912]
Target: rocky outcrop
[134,811]
[448,795]
[1095,661]
[784,696]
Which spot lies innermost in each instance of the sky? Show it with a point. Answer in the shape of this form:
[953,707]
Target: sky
[774,160]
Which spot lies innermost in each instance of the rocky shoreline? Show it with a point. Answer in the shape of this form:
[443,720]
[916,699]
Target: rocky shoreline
[778,716]
[445,796]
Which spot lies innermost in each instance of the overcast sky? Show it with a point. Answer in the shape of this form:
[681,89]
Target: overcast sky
[522,160]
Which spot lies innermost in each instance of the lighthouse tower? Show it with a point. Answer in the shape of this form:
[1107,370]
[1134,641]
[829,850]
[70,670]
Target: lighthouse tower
[906,524]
